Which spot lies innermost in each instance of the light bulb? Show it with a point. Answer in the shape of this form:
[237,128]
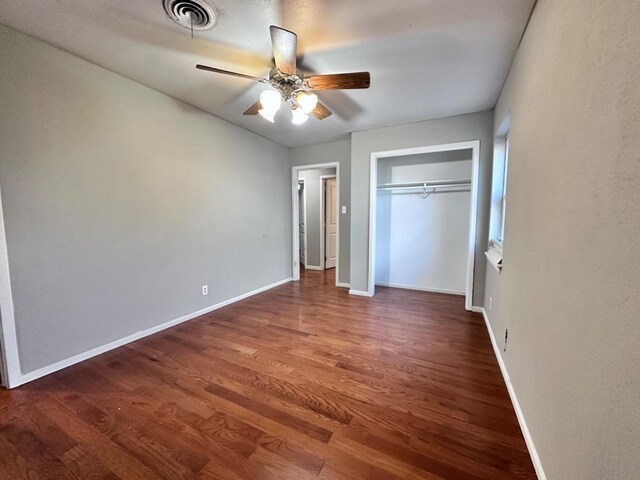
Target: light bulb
[270,100]
[307,101]
[298,117]
[268,115]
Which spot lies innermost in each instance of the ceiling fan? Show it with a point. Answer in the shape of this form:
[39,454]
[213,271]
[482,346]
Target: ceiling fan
[290,85]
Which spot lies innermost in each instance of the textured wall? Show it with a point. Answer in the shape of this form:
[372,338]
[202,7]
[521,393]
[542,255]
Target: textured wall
[120,203]
[569,292]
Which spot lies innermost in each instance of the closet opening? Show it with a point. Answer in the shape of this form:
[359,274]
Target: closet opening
[423,217]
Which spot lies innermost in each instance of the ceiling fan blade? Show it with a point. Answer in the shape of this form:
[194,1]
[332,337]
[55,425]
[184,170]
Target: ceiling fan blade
[253,109]
[284,45]
[227,72]
[321,111]
[338,81]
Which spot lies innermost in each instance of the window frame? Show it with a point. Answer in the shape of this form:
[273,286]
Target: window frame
[503,201]
[496,240]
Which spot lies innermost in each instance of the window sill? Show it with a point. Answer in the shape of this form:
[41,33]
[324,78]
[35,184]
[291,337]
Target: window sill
[494,256]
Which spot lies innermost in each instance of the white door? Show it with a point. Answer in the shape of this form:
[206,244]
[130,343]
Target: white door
[331,223]
[302,228]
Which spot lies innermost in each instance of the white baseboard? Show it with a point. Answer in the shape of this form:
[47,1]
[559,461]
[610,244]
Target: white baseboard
[514,400]
[420,289]
[359,293]
[312,267]
[41,372]
[343,285]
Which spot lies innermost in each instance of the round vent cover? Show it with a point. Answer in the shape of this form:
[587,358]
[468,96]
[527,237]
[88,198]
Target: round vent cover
[196,14]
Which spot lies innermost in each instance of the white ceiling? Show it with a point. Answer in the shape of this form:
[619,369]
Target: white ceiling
[427,58]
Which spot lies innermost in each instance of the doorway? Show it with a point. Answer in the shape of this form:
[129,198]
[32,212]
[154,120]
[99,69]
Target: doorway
[2,374]
[431,184]
[10,373]
[302,222]
[315,213]
[329,221]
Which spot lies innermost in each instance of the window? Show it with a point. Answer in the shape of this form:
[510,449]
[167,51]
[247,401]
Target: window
[503,201]
[499,201]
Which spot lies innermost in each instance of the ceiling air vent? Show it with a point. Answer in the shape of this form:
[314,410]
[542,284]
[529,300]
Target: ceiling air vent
[191,14]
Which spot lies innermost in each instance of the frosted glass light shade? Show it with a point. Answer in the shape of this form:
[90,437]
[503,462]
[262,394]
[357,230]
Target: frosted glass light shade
[307,101]
[268,115]
[298,117]
[270,100]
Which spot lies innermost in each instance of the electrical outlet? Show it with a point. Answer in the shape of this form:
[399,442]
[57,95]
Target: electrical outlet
[344,209]
[490,303]
[205,290]
[506,337]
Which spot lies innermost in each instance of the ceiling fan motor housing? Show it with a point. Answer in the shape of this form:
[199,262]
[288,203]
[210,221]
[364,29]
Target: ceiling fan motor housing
[286,84]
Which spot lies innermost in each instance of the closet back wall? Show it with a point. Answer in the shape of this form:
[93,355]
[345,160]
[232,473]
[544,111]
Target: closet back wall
[121,202]
[423,243]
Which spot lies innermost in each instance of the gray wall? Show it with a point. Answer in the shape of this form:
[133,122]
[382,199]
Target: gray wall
[334,152]
[314,211]
[569,292]
[476,126]
[120,203]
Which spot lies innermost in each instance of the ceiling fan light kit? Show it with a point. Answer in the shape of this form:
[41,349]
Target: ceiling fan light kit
[268,115]
[290,85]
[298,116]
[270,102]
[307,101]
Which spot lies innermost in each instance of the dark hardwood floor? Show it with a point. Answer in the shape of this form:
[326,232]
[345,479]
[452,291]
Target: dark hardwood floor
[302,381]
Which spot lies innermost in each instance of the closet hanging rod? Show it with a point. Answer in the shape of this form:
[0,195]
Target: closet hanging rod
[425,184]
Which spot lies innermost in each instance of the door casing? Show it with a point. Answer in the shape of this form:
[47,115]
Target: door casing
[474,146]
[303,247]
[295,274]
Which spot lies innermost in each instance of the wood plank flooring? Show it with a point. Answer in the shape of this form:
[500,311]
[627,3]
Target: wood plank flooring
[303,381]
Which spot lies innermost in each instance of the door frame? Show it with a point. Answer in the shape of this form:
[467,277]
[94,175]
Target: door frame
[304,215]
[323,214]
[11,372]
[295,212]
[474,146]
